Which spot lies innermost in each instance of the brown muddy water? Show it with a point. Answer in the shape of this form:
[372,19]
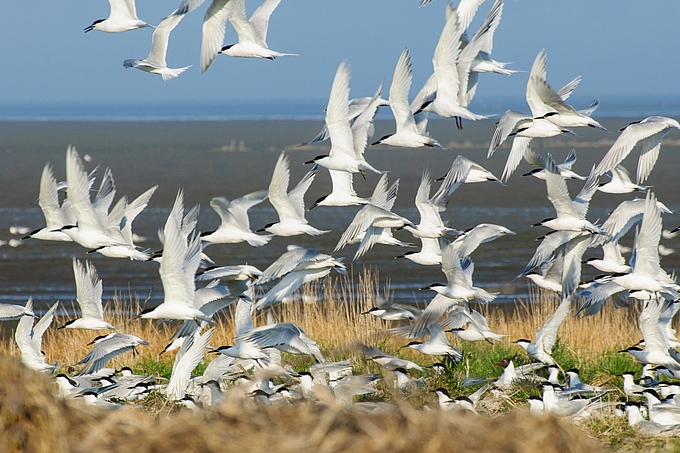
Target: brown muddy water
[231,158]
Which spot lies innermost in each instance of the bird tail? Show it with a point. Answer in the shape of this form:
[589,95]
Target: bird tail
[169,73]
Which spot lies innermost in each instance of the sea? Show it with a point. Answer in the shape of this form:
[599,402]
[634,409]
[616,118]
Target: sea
[210,149]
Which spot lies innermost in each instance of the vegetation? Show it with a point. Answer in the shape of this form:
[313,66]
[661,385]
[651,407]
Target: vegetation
[331,313]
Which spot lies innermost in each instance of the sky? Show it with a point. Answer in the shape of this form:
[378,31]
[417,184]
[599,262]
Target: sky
[619,47]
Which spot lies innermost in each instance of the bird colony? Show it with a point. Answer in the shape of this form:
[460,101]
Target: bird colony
[79,210]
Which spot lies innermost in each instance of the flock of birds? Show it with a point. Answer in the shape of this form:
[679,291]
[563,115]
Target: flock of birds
[248,367]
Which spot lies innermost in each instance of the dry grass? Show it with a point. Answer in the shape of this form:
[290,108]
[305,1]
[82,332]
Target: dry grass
[330,313]
[33,419]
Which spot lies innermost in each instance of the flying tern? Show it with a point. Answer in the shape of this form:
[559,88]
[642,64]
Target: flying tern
[123,17]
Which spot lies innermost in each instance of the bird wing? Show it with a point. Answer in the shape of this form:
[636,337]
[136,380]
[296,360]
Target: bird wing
[504,127]
[260,18]
[399,90]
[278,189]
[546,335]
[132,210]
[342,182]
[445,56]
[48,200]
[214,28]
[286,263]
[41,326]
[362,128]
[243,317]
[533,94]
[106,349]
[362,220]
[627,140]
[188,357]
[175,252]
[647,243]
[289,284]
[520,145]
[547,247]
[337,114]
[581,202]
[649,154]
[122,9]
[571,272]
[244,29]
[558,193]
[296,196]
[650,327]
[160,38]
[79,192]
[88,287]
[23,334]
[474,237]
[466,11]
[371,237]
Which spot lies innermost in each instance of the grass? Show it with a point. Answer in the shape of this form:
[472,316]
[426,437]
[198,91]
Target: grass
[330,312]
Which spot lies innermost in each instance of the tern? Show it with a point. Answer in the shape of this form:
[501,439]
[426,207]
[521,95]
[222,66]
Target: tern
[620,182]
[29,338]
[189,355]
[407,135]
[91,228]
[179,263]
[155,62]
[430,253]
[390,311]
[344,155]
[285,336]
[647,274]
[373,218]
[56,215]
[570,213]
[564,168]
[107,347]
[388,361]
[119,226]
[343,193]
[123,17]
[252,34]
[541,349]
[437,344]
[544,101]
[444,99]
[650,132]
[296,267]
[431,224]
[290,206]
[234,224]
[89,296]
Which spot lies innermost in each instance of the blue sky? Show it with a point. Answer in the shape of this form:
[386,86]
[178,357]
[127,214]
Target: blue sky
[619,47]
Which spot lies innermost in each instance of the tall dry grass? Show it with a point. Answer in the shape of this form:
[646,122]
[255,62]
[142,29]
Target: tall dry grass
[34,419]
[330,312]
